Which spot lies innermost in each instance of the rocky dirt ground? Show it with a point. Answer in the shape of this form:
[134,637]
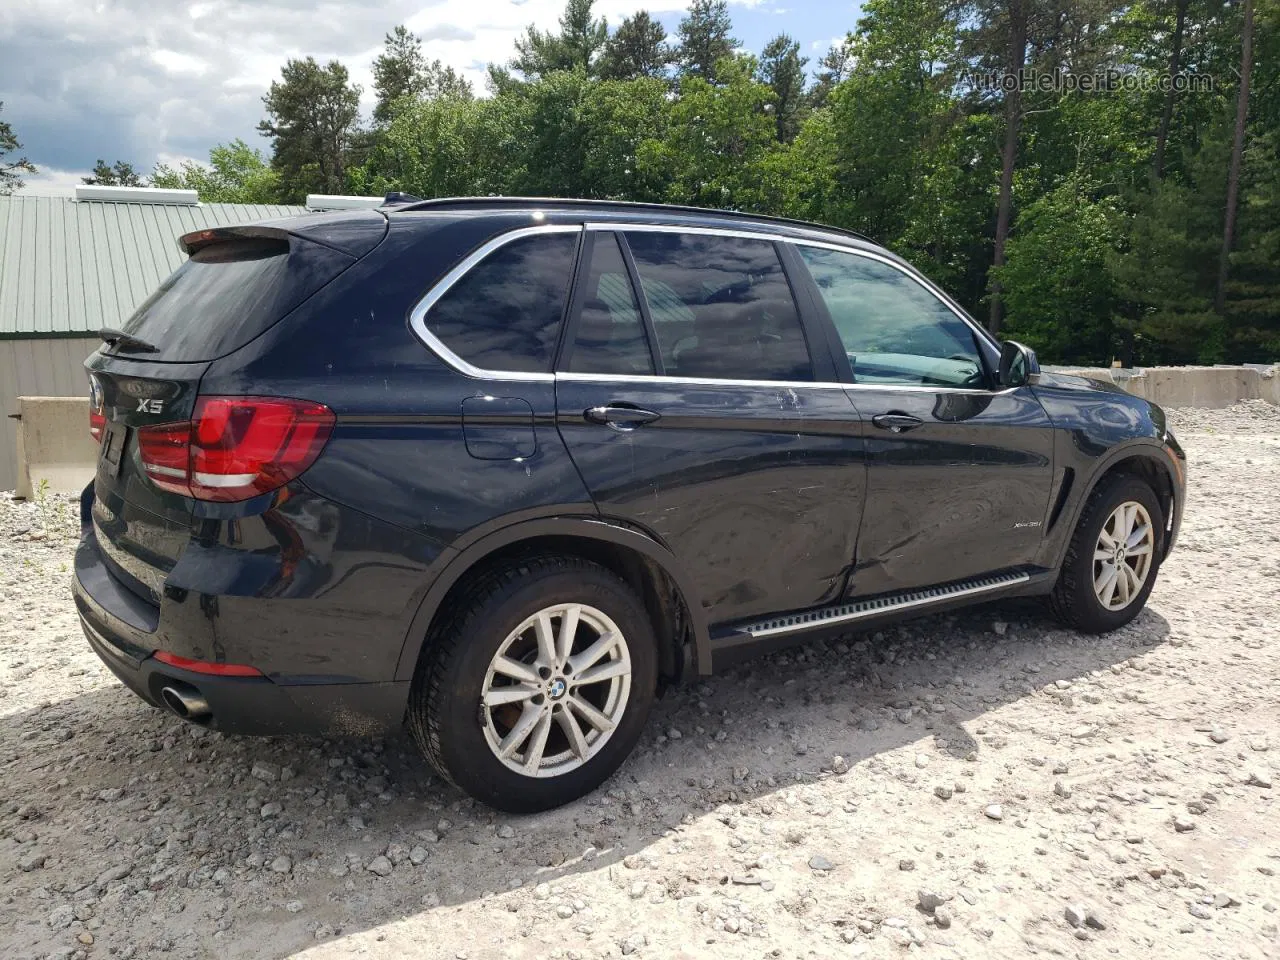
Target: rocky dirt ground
[978,785]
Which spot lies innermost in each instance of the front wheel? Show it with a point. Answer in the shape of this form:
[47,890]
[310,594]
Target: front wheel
[537,683]
[1114,556]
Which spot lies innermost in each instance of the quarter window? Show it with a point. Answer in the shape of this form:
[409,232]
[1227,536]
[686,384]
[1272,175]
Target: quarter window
[721,307]
[611,337]
[893,328]
[505,313]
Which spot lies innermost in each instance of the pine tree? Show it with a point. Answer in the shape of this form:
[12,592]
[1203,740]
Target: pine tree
[782,69]
[835,66]
[312,113]
[637,49]
[578,45]
[705,38]
[402,71]
[118,174]
[11,171]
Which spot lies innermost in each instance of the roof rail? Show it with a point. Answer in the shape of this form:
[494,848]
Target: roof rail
[448,202]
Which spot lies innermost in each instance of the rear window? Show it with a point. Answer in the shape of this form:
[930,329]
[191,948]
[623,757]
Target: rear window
[228,293]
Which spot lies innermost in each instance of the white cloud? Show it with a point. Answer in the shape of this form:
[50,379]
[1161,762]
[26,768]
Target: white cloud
[52,183]
[135,79]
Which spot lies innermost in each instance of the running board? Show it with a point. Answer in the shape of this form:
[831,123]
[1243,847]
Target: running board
[890,603]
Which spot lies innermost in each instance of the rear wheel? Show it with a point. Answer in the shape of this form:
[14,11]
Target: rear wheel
[536,685]
[1114,556]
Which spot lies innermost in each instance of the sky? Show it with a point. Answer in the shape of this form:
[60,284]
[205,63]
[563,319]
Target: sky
[152,81]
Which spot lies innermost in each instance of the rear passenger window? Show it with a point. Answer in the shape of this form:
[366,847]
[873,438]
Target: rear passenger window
[721,307]
[611,337]
[505,313]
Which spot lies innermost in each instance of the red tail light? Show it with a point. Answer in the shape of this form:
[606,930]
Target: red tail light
[97,416]
[235,448]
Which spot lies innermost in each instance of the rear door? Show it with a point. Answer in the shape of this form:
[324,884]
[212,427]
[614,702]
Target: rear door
[231,290]
[703,411]
[959,472]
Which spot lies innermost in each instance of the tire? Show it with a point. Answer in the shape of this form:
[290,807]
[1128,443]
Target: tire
[461,735]
[1075,599]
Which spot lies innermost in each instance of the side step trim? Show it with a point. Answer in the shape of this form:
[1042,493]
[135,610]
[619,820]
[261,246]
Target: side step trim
[884,604]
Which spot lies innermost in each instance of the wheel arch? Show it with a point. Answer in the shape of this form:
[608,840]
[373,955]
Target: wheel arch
[665,587]
[1147,461]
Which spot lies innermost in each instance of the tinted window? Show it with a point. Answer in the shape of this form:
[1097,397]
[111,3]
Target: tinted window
[504,314]
[893,328]
[721,307]
[228,293]
[611,337]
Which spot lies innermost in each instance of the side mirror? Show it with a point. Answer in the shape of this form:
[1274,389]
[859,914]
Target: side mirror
[1018,364]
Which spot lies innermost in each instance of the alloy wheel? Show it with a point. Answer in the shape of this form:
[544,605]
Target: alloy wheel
[556,690]
[1123,554]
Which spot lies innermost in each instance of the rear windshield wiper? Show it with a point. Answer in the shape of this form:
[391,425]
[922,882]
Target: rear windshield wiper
[124,341]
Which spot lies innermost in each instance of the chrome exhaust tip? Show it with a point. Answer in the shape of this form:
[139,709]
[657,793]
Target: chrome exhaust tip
[186,703]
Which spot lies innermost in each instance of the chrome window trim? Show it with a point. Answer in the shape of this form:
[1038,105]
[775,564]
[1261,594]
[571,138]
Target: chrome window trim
[693,381]
[565,377]
[418,316]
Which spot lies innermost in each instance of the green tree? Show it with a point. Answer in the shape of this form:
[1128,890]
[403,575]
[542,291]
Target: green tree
[625,120]
[782,70]
[11,170]
[1059,296]
[119,174]
[638,48]
[891,113]
[236,173]
[444,147]
[397,71]
[834,68]
[578,44]
[721,142]
[1166,269]
[312,113]
[1253,292]
[706,38]
[401,71]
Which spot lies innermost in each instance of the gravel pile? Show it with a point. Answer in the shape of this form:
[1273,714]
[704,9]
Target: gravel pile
[974,785]
[1246,416]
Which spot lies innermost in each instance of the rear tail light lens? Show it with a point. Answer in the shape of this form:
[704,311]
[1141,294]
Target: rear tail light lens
[97,416]
[235,448]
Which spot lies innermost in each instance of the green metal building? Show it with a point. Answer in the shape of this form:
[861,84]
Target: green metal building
[72,265]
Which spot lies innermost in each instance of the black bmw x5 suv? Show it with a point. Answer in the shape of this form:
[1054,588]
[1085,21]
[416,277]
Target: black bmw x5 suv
[502,468]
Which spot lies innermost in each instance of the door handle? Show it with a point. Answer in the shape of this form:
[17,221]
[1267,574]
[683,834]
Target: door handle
[897,422]
[619,417]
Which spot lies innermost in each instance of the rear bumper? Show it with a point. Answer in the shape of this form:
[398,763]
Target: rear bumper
[125,632]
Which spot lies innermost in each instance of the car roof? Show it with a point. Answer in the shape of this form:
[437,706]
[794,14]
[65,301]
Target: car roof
[630,211]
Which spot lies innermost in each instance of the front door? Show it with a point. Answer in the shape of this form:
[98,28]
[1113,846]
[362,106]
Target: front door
[959,471]
[693,412]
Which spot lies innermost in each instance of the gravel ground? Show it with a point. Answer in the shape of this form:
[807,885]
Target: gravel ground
[974,785]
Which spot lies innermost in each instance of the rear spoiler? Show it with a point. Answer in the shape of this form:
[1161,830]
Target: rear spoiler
[353,232]
[189,243]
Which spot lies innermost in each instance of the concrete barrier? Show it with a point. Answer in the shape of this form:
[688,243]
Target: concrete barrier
[55,451]
[1209,387]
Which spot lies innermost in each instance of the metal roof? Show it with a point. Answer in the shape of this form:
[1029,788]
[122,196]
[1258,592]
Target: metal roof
[69,268]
